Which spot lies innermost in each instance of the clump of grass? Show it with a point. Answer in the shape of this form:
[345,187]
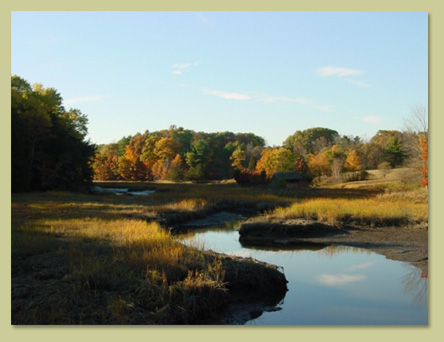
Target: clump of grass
[116,272]
[366,211]
[186,205]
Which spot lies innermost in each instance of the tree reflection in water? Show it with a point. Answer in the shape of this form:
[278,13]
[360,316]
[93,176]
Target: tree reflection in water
[416,284]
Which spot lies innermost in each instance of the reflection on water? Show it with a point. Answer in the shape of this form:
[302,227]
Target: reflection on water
[332,285]
[416,285]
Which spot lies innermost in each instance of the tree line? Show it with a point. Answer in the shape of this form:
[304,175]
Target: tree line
[50,150]
[178,154]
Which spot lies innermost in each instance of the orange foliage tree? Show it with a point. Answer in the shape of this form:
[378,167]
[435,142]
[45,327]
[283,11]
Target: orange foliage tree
[319,165]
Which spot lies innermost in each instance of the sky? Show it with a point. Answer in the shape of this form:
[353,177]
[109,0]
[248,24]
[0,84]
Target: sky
[268,73]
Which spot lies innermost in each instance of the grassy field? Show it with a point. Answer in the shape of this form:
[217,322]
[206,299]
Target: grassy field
[106,259]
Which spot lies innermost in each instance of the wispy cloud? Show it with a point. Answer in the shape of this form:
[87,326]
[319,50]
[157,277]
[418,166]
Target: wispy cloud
[180,68]
[259,97]
[76,100]
[372,119]
[226,95]
[299,100]
[338,71]
[340,279]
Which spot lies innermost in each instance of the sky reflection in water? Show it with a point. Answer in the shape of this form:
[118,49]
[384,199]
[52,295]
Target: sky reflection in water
[334,285]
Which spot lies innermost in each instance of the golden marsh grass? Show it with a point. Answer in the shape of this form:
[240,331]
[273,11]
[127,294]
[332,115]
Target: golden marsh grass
[363,210]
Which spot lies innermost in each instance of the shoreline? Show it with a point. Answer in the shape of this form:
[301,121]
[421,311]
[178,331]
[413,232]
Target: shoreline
[406,243]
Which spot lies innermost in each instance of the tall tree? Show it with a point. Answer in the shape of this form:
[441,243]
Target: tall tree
[311,140]
[353,161]
[49,147]
[394,152]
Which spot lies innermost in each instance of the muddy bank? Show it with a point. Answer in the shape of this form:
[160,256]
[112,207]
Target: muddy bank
[42,286]
[253,287]
[178,221]
[407,243]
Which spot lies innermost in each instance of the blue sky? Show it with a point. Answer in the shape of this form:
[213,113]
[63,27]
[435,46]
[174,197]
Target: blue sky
[269,73]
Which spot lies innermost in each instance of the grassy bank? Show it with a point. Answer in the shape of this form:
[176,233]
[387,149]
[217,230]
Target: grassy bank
[76,259]
[94,271]
[379,211]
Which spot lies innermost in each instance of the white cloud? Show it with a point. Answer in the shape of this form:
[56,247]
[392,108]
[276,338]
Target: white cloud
[226,95]
[372,119]
[76,100]
[338,71]
[180,68]
[339,279]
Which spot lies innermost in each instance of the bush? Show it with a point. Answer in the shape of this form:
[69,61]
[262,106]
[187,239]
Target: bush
[246,177]
[195,173]
[356,176]
[175,175]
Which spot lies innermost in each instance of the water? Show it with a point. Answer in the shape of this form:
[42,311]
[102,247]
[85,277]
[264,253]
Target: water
[120,191]
[333,285]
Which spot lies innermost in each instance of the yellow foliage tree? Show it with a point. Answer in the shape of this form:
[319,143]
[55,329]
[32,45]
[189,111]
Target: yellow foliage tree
[353,161]
[276,160]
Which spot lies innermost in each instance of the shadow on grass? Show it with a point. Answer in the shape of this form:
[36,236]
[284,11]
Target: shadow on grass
[61,279]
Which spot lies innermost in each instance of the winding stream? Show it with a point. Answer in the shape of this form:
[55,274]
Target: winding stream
[331,285]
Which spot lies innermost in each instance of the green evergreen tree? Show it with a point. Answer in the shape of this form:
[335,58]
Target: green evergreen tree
[394,152]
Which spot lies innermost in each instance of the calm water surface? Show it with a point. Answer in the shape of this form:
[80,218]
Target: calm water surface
[333,285]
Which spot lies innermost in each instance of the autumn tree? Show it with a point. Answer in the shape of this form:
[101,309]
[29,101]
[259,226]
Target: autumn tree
[353,161]
[238,157]
[276,160]
[105,165]
[176,172]
[165,151]
[319,165]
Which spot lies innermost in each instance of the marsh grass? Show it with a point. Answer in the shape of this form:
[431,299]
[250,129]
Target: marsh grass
[113,272]
[102,259]
[374,211]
